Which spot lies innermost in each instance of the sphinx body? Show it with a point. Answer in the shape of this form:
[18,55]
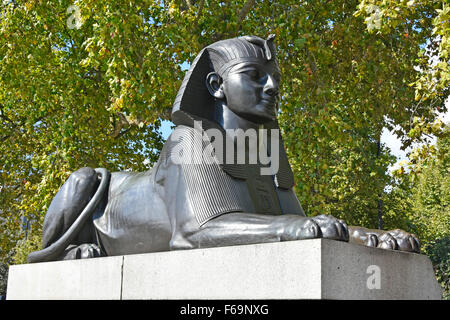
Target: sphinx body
[232,84]
[169,206]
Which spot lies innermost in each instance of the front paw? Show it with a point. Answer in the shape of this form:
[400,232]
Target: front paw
[332,228]
[323,226]
[363,236]
[398,240]
[83,251]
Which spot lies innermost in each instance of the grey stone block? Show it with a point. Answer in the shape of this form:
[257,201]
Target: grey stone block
[307,269]
[90,279]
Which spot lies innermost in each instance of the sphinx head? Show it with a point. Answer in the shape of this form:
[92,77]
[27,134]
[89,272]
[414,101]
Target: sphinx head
[241,74]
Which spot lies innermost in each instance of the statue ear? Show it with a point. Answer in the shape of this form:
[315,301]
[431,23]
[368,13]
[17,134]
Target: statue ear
[214,84]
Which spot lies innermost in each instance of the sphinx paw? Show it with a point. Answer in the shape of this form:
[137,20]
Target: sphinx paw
[82,251]
[323,226]
[332,228]
[399,240]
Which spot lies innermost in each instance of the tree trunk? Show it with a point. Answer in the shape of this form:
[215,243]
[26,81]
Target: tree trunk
[380,201]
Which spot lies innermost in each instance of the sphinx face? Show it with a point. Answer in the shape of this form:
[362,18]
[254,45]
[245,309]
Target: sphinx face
[252,90]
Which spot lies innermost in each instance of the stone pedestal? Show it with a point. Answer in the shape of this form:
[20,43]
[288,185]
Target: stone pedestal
[307,269]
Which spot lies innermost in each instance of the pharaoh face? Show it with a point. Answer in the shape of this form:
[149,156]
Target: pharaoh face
[251,90]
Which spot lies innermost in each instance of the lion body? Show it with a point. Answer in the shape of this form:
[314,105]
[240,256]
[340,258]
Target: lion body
[153,211]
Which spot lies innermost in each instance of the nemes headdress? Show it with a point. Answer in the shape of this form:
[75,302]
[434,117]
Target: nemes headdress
[193,97]
[194,102]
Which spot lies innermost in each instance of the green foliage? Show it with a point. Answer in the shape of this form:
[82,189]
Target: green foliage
[439,253]
[429,180]
[3,278]
[75,97]
[25,246]
[422,195]
[345,84]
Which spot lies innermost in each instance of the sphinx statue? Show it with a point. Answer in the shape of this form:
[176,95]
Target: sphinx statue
[222,179]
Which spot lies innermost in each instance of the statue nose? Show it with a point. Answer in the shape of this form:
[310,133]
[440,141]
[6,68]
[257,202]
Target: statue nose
[271,87]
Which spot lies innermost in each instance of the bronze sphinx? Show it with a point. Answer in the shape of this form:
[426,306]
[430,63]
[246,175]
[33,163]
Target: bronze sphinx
[232,85]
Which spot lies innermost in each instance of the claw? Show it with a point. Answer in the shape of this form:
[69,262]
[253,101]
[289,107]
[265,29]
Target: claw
[313,231]
[387,241]
[345,234]
[372,240]
[415,244]
[332,228]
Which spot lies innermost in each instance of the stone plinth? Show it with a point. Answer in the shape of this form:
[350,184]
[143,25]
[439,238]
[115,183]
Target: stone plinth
[307,269]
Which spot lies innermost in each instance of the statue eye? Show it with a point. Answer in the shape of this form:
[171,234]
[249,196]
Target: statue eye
[253,74]
[277,78]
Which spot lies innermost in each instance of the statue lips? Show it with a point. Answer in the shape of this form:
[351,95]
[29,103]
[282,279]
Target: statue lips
[270,105]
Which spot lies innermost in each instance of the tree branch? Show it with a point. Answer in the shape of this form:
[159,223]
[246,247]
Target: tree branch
[189,4]
[244,11]
[124,122]
[200,10]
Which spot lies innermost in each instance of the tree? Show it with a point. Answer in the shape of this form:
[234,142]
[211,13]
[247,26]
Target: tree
[64,103]
[431,194]
[439,252]
[87,85]
[3,278]
[347,82]
[425,185]
[421,199]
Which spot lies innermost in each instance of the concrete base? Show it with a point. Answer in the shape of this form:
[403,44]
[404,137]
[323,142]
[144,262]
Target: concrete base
[308,269]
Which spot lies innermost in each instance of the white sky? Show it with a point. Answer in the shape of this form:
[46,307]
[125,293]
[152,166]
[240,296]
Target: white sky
[394,143]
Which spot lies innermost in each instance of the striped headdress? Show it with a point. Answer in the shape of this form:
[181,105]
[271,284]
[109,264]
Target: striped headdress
[193,96]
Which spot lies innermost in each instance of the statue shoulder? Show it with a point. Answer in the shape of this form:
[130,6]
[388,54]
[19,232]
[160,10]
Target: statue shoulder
[183,144]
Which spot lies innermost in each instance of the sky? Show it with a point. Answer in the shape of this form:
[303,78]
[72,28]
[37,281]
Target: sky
[394,143]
